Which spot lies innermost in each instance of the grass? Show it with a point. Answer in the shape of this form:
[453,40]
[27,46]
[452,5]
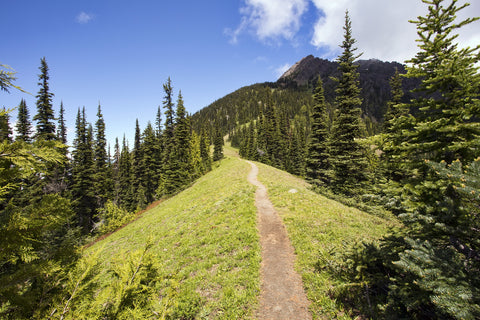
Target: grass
[319,229]
[206,239]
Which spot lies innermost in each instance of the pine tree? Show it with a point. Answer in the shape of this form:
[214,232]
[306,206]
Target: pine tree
[5,130]
[393,109]
[168,183]
[44,116]
[218,145]
[24,126]
[62,128]
[116,173]
[150,163]
[137,169]
[348,160]
[205,153]
[182,144]
[443,256]
[317,161]
[433,263]
[103,187]
[83,188]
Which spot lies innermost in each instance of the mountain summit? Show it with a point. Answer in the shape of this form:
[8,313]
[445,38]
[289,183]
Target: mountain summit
[374,81]
[307,69]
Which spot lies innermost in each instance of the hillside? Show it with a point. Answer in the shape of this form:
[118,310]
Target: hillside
[293,90]
[198,252]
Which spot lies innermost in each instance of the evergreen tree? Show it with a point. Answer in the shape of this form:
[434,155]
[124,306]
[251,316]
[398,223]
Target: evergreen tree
[5,130]
[83,188]
[44,116]
[103,185]
[137,170]
[205,153]
[431,267]
[218,145]
[150,163]
[24,126]
[168,183]
[182,144]
[62,128]
[125,177]
[158,122]
[348,160]
[116,173]
[317,164]
[443,249]
[393,109]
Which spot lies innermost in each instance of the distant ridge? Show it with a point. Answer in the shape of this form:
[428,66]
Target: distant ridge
[374,81]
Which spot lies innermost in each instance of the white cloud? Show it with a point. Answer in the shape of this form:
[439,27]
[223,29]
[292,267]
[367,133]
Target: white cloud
[282,69]
[84,17]
[380,27]
[270,19]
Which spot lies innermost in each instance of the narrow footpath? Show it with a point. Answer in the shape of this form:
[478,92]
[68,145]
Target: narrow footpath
[282,295]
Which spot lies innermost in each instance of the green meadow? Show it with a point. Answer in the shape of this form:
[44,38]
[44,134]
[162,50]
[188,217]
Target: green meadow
[197,254]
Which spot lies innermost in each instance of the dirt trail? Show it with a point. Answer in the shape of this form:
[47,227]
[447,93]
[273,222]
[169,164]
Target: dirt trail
[282,295]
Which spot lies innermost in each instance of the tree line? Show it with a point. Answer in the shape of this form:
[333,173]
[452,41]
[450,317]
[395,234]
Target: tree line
[53,200]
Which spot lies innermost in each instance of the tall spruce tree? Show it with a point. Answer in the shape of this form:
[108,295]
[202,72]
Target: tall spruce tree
[62,127]
[218,145]
[103,186]
[317,164]
[23,126]
[168,183]
[205,152]
[83,188]
[150,163]
[182,144]
[137,186]
[5,129]
[348,159]
[45,115]
[126,198]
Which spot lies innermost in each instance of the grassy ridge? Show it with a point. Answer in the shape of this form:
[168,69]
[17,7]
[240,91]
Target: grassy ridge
[319,229]
[205,238]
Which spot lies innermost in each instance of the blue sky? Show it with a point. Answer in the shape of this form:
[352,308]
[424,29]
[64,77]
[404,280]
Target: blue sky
[119,53]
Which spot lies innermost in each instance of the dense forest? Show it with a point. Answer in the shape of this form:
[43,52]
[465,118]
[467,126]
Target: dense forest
[54,199]
[412,152]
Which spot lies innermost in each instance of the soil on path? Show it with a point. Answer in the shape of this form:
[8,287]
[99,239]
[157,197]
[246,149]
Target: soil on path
[282,295]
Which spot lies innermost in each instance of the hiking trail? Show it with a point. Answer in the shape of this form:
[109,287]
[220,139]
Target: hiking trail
[282,295]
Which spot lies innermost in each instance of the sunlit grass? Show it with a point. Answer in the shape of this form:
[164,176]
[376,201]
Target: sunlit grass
[206,239]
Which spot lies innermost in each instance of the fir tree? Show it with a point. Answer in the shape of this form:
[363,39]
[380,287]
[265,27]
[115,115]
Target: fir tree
[168,183]
[348,160]
[317,164]
[102,183]
[116,173]
[83,189]
[150,163]
[62,128]
[44,116]
[218,145]
[443,254]
[205,153]
[137,169]
[126,198]
[182,144]
[5,130]
[393,109]
[24,126]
